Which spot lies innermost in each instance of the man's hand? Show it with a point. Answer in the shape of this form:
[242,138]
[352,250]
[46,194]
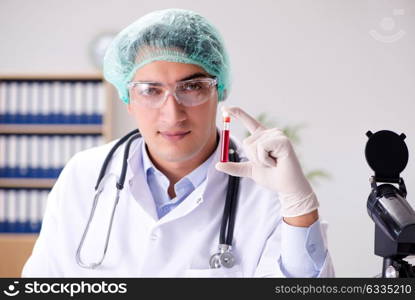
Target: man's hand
[274,165]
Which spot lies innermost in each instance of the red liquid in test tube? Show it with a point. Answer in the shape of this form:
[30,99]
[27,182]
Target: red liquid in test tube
[224,155]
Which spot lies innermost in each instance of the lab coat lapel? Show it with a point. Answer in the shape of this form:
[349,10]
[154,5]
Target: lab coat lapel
[135,186]
[140,191]
[190,203]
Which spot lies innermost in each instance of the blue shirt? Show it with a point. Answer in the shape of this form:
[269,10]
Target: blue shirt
[302,248]
[159,184]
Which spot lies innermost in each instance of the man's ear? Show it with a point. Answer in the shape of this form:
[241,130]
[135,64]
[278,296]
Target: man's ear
[129,108]
[225,94]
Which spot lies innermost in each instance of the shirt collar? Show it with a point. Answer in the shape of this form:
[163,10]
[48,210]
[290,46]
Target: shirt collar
[196,177]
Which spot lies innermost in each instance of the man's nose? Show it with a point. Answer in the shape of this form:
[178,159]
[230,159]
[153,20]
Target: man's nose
[172,112]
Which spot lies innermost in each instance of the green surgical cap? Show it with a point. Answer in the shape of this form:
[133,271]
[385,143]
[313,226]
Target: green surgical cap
[174,35]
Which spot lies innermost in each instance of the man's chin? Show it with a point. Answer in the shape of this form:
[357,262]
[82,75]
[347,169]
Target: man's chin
[174,156]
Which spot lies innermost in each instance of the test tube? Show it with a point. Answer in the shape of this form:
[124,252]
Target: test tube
[224,156]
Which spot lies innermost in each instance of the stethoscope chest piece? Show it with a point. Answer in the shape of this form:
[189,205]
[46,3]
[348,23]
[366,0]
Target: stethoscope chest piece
[227,260]
[223,258]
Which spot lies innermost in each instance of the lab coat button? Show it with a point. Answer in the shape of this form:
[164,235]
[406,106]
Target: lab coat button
[155,235]
[199,200]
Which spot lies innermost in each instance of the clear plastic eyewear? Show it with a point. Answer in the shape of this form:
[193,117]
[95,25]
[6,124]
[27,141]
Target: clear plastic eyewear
[191,92]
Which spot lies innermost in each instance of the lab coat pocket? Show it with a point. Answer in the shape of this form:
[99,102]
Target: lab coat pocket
[235,271]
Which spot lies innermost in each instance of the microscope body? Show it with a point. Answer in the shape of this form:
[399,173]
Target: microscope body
[394,218]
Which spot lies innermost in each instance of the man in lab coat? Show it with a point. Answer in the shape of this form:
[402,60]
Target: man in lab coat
[171,69]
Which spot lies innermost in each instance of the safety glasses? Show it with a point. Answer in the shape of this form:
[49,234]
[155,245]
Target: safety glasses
[191,92]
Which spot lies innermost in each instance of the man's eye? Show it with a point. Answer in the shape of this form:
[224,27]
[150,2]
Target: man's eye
[150,91]
[192,86]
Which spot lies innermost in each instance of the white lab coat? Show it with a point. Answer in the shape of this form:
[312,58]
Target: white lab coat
[141,245]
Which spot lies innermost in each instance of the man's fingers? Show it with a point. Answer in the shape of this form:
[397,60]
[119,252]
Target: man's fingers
[240,169]
[265,158]
[250,122]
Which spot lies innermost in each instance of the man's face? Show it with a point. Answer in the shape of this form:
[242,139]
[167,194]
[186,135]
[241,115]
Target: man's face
[173,132]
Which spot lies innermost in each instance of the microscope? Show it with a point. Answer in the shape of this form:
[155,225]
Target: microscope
[394,218]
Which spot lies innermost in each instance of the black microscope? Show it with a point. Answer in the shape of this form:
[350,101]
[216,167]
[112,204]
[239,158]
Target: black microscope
[387,155]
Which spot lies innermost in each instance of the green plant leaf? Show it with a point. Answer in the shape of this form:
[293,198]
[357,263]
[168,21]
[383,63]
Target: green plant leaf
[293,133]
[313,175]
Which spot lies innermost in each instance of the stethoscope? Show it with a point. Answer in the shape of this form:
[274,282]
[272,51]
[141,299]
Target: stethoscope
[224,257]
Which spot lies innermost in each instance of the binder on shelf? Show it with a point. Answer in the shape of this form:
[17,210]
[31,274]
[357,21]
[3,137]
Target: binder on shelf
[3,158]
[2,211]
[11,152]
[3,104]
[52,99]
[89,103]
[34,217]
[20,211]
[34,163]
[100,100]
[77,103]
[11,102]
[34,95]
[68,98]
[30,116]
[23,156]
[22,103]
[11,201]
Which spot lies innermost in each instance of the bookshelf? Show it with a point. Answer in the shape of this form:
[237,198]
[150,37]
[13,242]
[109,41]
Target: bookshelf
[46,129]
[15,249]
[66,121]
